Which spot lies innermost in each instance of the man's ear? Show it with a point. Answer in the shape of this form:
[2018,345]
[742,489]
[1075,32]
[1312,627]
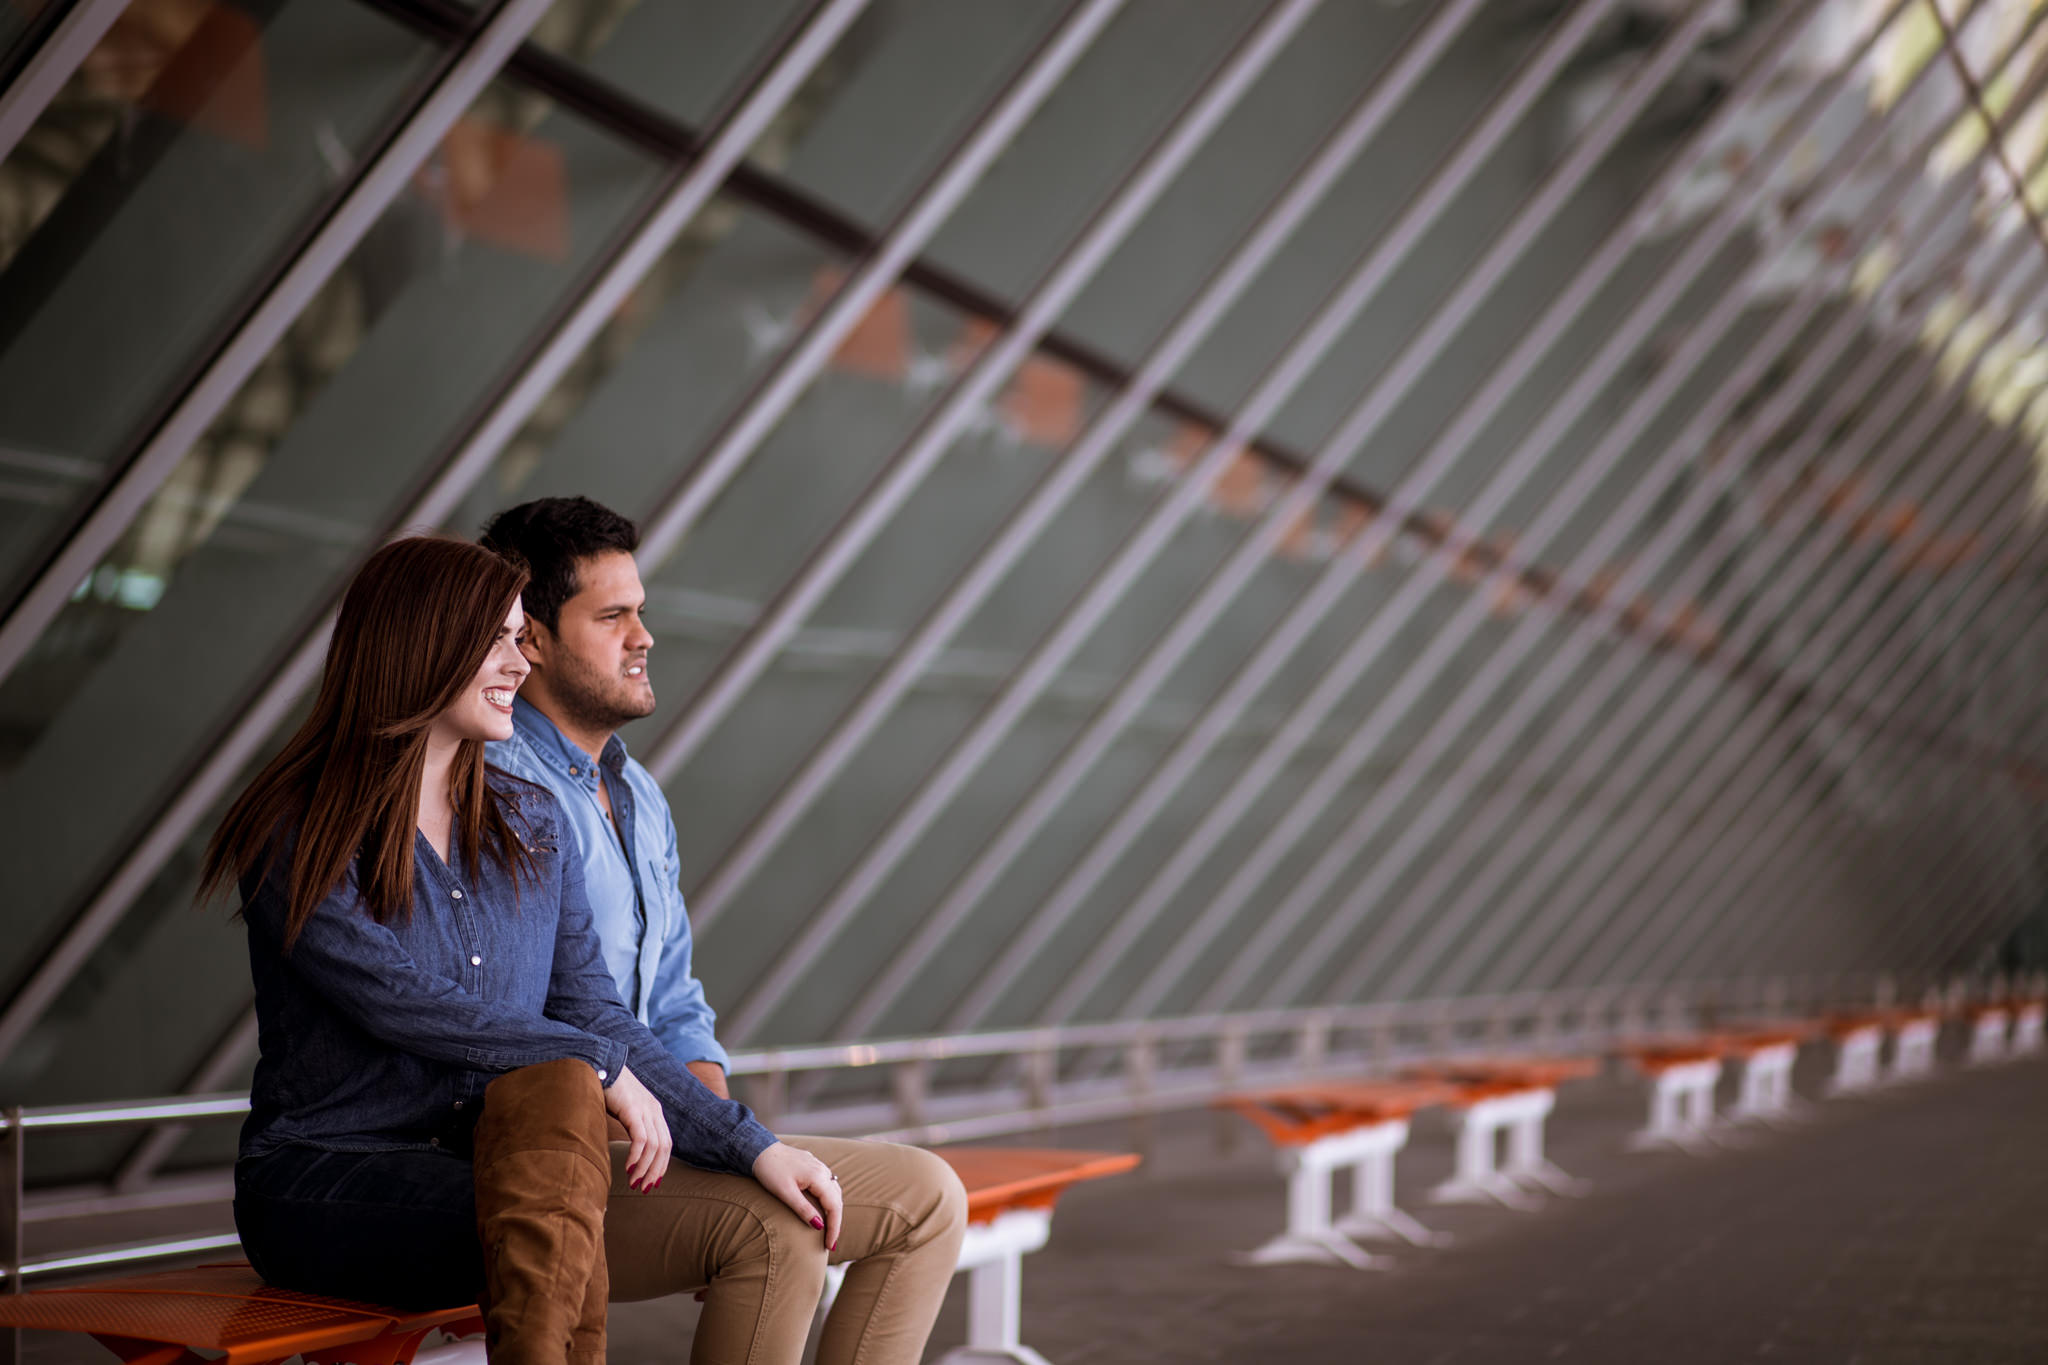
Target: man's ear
[538,644]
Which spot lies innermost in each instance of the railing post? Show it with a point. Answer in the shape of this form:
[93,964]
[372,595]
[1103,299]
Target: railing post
[769,1092]
[910,1082]
[1232,1048]
[1141,1069]
[1312,1054]
[12,1140]
[1041,1072]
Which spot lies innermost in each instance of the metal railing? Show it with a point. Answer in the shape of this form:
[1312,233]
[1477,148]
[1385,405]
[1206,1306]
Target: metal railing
[969,1086]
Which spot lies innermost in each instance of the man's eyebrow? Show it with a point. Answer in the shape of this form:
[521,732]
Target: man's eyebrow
[621,606]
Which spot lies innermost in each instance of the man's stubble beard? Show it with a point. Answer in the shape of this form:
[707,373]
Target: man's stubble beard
[596,701]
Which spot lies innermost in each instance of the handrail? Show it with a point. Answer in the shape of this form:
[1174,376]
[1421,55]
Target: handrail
[1355,1038]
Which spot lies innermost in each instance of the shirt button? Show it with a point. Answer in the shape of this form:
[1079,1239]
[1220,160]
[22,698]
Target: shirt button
[603,1075]
[575,772]
[456,894]
[458,1104]
[433,1142]
[476,961]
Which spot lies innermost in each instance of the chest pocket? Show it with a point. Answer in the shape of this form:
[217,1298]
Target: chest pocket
[658,896]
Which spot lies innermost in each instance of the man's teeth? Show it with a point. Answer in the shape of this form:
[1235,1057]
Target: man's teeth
[635,671]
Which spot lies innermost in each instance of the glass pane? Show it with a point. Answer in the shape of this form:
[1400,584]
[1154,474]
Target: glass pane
[306,470]
[888,103]
[683,55]
[186,153]
[15,21]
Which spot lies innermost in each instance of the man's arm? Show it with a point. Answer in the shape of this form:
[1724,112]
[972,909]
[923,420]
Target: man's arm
[676,1008]
[713,1076]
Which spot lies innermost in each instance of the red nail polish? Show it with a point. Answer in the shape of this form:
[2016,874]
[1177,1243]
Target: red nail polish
[818,1224]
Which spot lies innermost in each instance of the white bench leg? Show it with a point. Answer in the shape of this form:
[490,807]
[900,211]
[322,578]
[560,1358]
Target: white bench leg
[1987,1040]
[1856,1063]
[1476,1179]
[2027,1031]
[995,1266]
[1373,1213]
[1310,1235]
[1527,1165]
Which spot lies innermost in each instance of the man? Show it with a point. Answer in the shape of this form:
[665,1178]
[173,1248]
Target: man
[756,1266]
[588,648]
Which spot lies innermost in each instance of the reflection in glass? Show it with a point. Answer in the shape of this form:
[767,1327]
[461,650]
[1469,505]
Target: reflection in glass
[143,207]
[305,471]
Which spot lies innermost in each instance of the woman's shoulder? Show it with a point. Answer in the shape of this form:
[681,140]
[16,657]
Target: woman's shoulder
[527,803]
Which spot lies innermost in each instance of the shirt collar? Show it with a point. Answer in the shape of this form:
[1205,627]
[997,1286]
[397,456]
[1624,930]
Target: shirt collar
[554,747]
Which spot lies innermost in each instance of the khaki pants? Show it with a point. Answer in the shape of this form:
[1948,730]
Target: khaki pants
[764,1268]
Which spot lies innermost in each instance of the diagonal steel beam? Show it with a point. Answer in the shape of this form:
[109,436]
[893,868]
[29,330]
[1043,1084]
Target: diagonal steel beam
[1419,676]
[967,399]
[1111,585]
[690,187]
[1072,469]
[1854,609]
[1892,649]
[1629,952]
[1563,738]
[68,45]
[1217,720]
[1511,836]
[1600,915]
[1711,913]
[380,181]
[1946,775]
[927,211]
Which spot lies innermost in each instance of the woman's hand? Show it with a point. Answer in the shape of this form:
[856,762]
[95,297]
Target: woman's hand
[628,1101]
[788,1172]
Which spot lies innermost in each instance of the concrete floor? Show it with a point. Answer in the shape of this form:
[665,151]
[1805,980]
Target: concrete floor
[1906,1228]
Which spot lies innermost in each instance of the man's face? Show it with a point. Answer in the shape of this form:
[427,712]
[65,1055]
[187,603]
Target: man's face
[595,660]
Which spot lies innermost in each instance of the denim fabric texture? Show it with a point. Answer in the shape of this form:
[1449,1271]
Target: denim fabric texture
[382,1037]
[633,877]
[385,1227]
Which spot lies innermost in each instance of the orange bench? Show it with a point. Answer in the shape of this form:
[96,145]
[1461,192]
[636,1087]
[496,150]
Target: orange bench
[1320,1127]
[1010,1196]
[225,1315]
[1511,1096]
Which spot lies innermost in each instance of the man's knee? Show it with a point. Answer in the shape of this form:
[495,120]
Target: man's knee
[934,1188]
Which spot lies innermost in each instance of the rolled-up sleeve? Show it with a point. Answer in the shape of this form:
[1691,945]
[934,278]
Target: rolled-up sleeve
[361,969]
[709,1132]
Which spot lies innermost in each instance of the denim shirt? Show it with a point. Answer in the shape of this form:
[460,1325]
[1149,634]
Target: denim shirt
[634,876]
[382,1037]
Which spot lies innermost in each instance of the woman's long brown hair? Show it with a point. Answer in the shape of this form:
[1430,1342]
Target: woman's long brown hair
[417,624]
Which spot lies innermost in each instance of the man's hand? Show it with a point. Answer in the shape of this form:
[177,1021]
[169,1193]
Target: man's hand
[804,1183]
[629,1102]
[713,1076]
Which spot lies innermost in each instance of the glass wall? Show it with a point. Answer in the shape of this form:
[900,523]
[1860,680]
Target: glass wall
[1495,565]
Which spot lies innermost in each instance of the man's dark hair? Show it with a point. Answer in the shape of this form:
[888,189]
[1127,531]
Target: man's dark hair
[551,535]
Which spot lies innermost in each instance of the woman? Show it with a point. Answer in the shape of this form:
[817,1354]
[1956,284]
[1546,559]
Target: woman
[441,1043]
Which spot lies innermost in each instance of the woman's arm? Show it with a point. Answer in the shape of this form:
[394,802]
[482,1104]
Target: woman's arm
[709,1132]
[360,968]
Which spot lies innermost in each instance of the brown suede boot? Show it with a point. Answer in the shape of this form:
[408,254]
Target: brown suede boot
[543,1173]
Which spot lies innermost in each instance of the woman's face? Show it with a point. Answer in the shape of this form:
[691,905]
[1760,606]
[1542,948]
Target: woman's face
[484,711]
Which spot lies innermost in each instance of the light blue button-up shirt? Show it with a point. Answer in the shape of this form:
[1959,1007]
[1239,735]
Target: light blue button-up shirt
[634,876]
